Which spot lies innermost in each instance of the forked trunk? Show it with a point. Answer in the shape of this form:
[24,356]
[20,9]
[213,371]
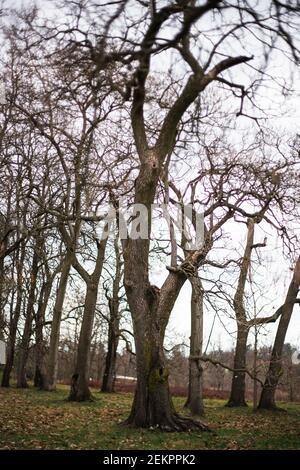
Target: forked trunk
[238,387]
[152,405]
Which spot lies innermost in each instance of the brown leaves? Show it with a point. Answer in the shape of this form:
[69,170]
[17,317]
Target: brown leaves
[30,419]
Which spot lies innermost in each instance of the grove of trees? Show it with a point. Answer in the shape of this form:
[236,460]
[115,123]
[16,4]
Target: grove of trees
[113,107]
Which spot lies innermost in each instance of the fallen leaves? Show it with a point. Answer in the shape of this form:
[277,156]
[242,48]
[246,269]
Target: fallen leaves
[30,419]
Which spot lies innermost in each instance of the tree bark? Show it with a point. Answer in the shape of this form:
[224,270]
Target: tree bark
[80,379]
[109,376]
[50,383]
[14,320]
[237,395]
[152,405]
[195,389]
[108,382]
[24,347]
[10,350]
[79,386]
[267,398]
[40,377]
[238,387]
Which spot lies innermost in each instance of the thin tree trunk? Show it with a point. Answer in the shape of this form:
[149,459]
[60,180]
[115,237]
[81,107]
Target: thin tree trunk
[10,350]
[55,326]
[195,389]
[2,318]
[79,387]
[237,395]
[24,347]
[14,320]
[40,377]
[238,387]
[255,388]
[267,398]
[109,376]
[80,379]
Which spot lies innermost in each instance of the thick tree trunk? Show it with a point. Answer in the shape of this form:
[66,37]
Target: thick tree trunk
[152,405]
[50,383]
[150,309]
[238,387]
[80,380]
[267,398]
[195,390]
[24,347]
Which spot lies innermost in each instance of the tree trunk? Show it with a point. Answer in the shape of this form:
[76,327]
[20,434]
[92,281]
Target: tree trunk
[40,377]
[267,398]
[150,309]
[14,320]
[24,347]
[10,350]
[55,326]
[255,388]
[2,288]
[80,380]
[195,391]
[152,405]
[237,395]
[108,382]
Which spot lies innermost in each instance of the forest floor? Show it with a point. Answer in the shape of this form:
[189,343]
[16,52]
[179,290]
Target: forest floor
[31,419]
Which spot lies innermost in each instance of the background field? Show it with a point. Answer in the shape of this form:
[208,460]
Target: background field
[30,419]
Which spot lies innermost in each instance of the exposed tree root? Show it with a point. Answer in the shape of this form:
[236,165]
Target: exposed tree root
[174,423]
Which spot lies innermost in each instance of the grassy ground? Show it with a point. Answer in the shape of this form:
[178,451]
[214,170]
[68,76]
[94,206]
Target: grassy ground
[30,419]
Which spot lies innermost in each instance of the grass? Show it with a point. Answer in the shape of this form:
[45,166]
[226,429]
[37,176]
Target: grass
[30,419]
